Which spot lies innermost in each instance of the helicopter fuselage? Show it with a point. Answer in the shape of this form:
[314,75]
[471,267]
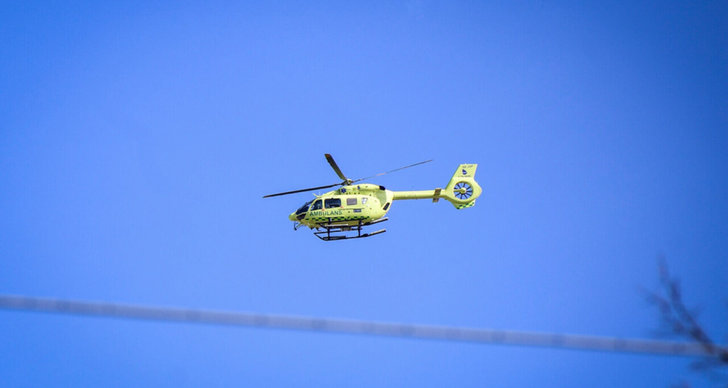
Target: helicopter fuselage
[349,205]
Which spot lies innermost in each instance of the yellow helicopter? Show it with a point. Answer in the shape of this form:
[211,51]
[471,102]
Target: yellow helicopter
[354,206]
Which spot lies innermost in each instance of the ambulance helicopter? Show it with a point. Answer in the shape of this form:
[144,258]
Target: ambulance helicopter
[354,206]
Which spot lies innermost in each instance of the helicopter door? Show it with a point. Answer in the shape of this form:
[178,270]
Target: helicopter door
[317,205]
[353,206]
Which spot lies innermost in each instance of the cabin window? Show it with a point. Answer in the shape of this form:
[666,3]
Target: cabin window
[350,201]
[333,202]
[316,205]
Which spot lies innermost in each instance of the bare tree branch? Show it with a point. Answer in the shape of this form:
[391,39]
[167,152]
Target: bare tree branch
[679,320]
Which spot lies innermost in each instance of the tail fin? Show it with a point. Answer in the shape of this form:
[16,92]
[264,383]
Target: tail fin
[462,189]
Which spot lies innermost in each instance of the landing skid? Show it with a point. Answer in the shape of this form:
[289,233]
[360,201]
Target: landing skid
[334,231]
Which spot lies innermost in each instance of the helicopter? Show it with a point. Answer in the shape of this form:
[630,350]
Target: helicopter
[356,205]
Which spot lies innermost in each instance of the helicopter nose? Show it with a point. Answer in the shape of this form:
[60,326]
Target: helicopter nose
[292,216]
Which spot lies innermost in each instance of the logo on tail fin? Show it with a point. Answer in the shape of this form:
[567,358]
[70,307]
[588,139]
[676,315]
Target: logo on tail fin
[465,172]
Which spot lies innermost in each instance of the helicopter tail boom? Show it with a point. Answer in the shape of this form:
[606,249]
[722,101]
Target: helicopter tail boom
[461,191]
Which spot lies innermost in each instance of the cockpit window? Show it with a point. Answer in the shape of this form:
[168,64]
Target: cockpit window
[316,205]
[303,208]
[333,202]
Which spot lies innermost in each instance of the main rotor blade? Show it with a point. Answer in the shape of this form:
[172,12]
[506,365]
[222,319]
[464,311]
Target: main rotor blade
[396,169]
[336,167]
[300,191]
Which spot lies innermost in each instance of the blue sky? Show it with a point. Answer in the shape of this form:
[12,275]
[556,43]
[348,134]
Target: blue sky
[137,139]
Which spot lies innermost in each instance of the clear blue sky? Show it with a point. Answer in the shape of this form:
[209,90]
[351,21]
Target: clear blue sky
[137,139]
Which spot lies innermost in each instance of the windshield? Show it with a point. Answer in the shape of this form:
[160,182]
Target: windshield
[304,208]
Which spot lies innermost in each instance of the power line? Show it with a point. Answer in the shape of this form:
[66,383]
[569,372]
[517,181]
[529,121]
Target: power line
[347,326]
